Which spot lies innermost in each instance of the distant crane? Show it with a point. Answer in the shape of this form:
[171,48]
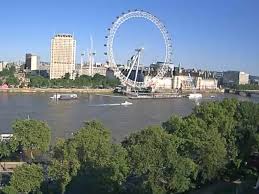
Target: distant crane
[82,62]
[91,54]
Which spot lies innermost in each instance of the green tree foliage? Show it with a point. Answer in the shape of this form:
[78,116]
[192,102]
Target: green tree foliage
[220,115]
[32,135]
[219,136]
[247,128]
[8,75]
[103,164]
[39,81]
[202,144]
[7,148]
[6,72]
[67,76]
[9,190]
[25,179]
[60,172]
[157,164]
[246,87]
[11,80]
[83,81]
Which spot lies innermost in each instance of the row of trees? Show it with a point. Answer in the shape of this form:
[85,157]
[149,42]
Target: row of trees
[246,87]
[214,142]
[7,76]
[97,81]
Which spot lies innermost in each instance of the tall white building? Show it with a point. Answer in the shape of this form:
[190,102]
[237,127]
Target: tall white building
[63,51]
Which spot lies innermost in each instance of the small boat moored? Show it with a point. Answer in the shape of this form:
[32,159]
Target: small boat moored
[5,136]
[64,97]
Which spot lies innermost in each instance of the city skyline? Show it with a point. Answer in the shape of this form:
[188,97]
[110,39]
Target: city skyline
[218,36]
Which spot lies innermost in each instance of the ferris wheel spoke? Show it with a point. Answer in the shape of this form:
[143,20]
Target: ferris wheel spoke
[136,74]
[132,66]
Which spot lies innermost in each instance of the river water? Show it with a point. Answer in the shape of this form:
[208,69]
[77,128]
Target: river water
[65,117]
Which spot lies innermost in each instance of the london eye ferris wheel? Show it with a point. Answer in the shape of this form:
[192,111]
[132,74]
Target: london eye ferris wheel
[126,79]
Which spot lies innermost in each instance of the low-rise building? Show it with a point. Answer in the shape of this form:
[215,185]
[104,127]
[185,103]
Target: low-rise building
[207,84]
[164,83]
[86,70]
[188,79]
[254,80]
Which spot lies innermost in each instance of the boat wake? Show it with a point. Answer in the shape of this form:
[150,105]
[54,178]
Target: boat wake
[126,103]
[105,105]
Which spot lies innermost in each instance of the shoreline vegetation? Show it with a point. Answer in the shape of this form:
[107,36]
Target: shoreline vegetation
[58,90]
[211,145]
[83,90]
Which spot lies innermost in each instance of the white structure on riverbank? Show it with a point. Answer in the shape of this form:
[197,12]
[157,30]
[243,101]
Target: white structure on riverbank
[63,51]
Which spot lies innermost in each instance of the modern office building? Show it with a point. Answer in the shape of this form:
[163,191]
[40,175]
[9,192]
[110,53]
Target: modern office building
[235,78]
[63,51]
[32,62]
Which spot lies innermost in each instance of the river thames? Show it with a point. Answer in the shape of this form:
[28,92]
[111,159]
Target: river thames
[65,117]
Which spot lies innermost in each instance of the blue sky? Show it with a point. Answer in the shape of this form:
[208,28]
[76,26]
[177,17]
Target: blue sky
[207,34]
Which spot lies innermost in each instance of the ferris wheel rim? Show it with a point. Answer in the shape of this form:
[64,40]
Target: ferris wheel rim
[161,27]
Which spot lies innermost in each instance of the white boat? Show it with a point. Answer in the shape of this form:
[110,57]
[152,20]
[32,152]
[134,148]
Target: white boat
[6,136]
[213,96]
[55,96]
[126,103]
[195,96]
[64,96]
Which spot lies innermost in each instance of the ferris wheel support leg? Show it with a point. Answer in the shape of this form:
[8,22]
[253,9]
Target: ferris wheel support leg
[136,74]
[131,68]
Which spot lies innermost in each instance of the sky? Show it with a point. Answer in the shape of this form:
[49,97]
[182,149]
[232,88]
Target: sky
[206,34]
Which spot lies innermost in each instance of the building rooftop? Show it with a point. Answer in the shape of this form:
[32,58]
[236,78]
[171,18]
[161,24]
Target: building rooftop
[64,35]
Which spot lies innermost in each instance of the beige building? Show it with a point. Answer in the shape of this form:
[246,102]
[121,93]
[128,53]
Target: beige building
[86,70]
[63,51]
[185,83]
[206,84]
[164,83]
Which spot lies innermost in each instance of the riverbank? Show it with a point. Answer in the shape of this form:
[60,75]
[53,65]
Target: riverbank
[58,90]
